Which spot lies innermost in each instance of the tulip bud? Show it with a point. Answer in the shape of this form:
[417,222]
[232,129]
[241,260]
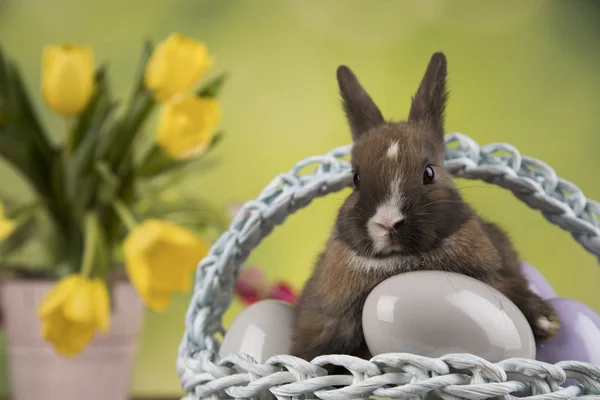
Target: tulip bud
[73,311]
[175,65]
[187,125]
[67,78]
[160,258]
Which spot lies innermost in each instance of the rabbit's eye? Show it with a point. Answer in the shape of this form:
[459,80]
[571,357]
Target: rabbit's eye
[428,175]
[356,180]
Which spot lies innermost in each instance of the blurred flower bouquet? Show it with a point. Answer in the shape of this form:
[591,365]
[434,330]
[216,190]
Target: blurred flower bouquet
[110,201]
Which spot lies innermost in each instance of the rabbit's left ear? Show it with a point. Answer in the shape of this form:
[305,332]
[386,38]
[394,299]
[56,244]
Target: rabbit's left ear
[361,111]
[429,103]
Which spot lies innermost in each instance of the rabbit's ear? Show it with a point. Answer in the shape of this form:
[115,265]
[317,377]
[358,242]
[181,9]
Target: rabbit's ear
[361,111]
[429,103]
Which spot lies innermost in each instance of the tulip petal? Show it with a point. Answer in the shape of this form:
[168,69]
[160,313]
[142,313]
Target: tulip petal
[138,273]
[134,247]
[79,307]
[77,337]
[160,259]
[55,328]
[156,70]
[67,78]
[174,257]
[58,294]
[71,313]
[7,227]
[187,125]
[101,305]
[46,330]
[175,65]
[157,301]
[188,61]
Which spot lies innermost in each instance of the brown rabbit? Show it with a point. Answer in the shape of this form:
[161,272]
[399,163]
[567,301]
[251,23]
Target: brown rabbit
[404,214]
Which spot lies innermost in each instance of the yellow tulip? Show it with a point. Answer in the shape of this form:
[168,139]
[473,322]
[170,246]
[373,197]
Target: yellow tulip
[160,258]
[73,311]
[7,226]
[175,65]
[67,78]
[187,125]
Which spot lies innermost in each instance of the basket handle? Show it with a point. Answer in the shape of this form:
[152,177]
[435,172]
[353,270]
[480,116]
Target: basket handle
[530,180]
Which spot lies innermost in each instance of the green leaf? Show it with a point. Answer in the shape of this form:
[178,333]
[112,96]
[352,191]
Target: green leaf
[17,148]
[15,103]
[29,269]
[213,87]
[24,108]
[3,81]
[185,210]
[17,153]
[114,225]
[24,231]
[217,138]
[58,203]
[109,184]
[22,140]
[94,261]
[158,162]
[120,139]
[7,97]
[141,67]
[95,109]
[102,264]
[154,162]
[81,175]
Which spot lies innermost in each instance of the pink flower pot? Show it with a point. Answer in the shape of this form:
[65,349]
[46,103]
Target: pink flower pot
[102,371]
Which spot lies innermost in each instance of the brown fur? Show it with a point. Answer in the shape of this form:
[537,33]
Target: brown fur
[439,232]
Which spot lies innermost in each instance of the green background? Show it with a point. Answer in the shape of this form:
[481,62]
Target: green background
[523,72]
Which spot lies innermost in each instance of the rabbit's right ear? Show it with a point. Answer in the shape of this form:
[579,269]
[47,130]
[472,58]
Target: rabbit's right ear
[361,111]
[429,103]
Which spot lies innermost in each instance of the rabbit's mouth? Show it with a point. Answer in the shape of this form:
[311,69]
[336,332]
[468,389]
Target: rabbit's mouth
[391,250]
[383,238]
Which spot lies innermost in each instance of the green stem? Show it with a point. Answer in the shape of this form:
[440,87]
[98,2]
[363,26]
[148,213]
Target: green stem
[125,215]
[91,244]
[69,139]
[66,158]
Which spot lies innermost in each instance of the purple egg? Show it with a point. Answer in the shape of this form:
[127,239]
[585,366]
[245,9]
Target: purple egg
[578,338]
[537,283]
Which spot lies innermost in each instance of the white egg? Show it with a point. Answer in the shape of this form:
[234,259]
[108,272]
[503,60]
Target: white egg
[433,313]
[262,330]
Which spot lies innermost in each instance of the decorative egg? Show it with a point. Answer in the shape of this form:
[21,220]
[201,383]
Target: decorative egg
[261,330]
[434,313]
[537,282]
[578,338]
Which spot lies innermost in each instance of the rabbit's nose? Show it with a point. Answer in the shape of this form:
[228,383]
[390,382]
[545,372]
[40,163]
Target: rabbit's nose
[399,224]
[390,227]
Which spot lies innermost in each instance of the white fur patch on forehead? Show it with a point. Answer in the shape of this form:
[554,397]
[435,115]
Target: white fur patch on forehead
[393,150]
[387,215]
